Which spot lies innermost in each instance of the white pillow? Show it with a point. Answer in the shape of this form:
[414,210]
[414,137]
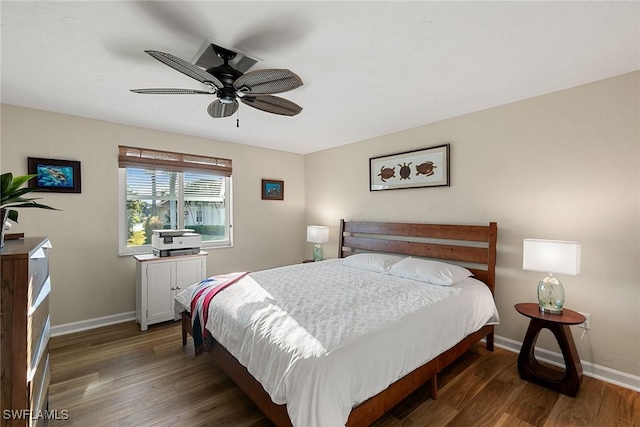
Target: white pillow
[424,270]
[379,263]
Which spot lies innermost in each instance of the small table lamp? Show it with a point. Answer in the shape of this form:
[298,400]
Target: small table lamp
[551,256]
[317,234]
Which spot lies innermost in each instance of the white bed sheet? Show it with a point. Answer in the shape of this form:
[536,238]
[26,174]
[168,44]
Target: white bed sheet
[322,359]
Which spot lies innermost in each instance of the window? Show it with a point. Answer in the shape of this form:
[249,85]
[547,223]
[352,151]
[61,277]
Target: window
[165,190]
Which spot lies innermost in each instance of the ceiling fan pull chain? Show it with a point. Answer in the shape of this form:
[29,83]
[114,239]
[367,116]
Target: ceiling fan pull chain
[238,118]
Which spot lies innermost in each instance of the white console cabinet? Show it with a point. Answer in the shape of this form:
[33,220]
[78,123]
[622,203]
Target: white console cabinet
[159,279]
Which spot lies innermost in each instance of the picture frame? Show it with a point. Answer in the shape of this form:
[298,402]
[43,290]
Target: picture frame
[272,189]
[53,175]
[425,167]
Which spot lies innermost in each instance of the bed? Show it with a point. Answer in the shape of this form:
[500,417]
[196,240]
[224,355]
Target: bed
[376,341]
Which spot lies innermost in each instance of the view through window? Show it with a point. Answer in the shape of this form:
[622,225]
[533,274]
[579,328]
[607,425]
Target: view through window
[166,199]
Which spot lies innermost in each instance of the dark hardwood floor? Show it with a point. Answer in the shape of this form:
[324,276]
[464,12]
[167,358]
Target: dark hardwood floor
[117,376]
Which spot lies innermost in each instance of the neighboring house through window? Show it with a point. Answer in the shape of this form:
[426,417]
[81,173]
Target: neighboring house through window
[166,190]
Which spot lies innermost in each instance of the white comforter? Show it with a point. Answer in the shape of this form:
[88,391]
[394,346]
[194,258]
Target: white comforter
[323,337]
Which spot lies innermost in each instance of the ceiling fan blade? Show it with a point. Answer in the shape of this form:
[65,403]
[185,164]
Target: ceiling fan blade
[271,35]
[183,19]
[171,91]
[185,68]
[272,104]
[218,109]
[265,82]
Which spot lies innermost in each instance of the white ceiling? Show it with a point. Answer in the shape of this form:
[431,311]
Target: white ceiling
[369,68]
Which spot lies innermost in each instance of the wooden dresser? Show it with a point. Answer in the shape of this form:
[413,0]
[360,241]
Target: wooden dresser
[25,329]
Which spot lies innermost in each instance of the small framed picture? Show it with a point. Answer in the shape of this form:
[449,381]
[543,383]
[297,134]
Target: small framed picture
[58,176]
[272,189]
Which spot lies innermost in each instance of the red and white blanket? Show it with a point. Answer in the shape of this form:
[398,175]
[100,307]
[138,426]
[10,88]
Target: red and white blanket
[202,296]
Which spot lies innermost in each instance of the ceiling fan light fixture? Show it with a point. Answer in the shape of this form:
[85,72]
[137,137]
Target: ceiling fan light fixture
[217,109]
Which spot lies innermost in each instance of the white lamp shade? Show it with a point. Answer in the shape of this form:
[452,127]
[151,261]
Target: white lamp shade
[317,234]
[551,256]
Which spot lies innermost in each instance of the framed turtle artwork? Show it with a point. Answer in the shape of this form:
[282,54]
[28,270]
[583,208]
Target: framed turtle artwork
[426,167]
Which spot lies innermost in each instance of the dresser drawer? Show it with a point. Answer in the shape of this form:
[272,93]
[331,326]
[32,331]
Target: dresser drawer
[38,271]
[36,319]
[39,387]
[36,300]
[38,340]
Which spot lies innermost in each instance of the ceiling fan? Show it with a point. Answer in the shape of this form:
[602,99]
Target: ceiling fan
[254,88]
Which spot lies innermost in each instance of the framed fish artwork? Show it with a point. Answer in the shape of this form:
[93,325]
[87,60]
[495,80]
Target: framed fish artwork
[426,167]
[58,176]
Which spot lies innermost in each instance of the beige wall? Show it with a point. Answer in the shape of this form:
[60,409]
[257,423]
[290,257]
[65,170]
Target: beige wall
[89,279]
[560,166]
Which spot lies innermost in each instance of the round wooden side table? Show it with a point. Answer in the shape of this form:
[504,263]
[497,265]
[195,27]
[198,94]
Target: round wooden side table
[566,381]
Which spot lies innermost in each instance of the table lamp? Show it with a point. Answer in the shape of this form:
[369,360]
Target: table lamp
[551,256]
[317,234]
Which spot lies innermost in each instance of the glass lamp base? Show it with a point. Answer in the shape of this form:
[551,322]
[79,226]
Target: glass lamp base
[550,295]
[318,253]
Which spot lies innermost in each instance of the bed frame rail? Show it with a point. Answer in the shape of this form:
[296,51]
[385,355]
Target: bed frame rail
[368,411]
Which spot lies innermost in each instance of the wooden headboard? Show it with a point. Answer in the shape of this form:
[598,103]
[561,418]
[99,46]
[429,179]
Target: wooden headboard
[458,243]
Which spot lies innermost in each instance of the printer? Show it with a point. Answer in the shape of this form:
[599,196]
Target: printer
[175,242]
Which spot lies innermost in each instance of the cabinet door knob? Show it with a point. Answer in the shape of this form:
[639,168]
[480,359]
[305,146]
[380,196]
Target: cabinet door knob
[178,287]
[173,289]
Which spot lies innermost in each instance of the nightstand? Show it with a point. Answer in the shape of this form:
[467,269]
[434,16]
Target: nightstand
[566,381]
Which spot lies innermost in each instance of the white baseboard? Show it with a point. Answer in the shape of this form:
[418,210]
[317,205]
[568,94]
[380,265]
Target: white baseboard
[98,322]
[589,369]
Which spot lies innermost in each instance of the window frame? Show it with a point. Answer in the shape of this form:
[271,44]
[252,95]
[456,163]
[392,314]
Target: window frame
[124,250]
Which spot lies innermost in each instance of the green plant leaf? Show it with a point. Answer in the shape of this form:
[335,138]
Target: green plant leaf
[21,191]
[18,181]
[11,184]
[5,182]
[14,200]
[12,194]
[34,205]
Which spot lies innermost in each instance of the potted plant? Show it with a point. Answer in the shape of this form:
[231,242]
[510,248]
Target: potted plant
[12,198]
